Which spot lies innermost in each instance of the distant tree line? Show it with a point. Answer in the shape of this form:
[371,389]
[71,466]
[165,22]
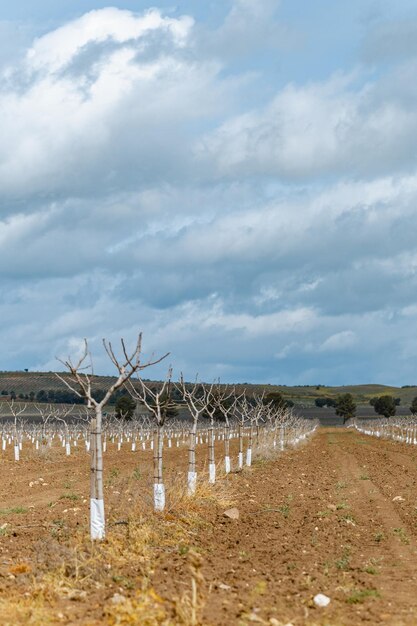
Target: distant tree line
[321,402]
[58,396]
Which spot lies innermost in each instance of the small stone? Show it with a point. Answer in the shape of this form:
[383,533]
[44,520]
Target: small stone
[321,600]
[398,499]
[332,507]
[224,587]
[232,513]
[255,618]
[117,599]
[77,594]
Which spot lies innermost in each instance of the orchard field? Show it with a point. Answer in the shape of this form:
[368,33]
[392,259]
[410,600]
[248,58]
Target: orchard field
[335,514]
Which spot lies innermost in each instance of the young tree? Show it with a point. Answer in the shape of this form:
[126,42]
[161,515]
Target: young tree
[345,406]
[80,384]
[413,407]
[194,398]
[16,410]
[385,405]
[158,402]
[226,402]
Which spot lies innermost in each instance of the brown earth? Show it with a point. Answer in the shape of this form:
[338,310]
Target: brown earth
[337,516]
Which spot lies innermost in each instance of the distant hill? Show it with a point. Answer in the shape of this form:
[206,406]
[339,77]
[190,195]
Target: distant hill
[26,383]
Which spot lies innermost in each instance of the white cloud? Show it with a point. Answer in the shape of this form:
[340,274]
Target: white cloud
[320,129]
[339,341]
[56,49]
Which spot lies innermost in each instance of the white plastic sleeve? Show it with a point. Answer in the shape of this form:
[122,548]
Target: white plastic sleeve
[212,473]
[159,496]
[97,524]
[192,482]
[227,464]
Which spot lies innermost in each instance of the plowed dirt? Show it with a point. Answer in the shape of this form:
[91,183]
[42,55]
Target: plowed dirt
[336,516]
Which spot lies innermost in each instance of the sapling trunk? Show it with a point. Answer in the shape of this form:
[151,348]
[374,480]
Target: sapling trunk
[192,474]
[212,465]
[240,457]
[159,487]
[227,449]
[249,450]
[97,520]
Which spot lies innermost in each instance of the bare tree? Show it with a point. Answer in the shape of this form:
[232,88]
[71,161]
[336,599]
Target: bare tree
[210,409]
[158,403]
[80,384]
[196,404]
[16,409]
[61,416]
[46,412]
[226,402]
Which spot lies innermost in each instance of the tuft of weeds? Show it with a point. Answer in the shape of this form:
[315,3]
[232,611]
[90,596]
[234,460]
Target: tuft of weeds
[112,476]
[70,496]
[341,506]
[402,535]
[371,567]
[189,607]
[343,562]
[379,536]
[357,596]
[12,510]
[364,477]
[341,485]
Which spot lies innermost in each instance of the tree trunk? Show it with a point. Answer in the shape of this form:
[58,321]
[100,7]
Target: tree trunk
[249,450]
[227,449]
[97,520]
[212,465]
[192,474]
[159,488]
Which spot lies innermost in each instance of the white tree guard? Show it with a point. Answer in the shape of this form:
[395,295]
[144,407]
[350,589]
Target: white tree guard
[240,460]
[16,453]
[192,483]
[97,523]
[249,457]
[212,473]
[227,464]
[67,449]
[159,496]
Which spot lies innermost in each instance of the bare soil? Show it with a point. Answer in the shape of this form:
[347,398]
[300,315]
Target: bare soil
[336,516]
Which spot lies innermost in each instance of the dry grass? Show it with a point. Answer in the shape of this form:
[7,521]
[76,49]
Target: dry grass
[70,572]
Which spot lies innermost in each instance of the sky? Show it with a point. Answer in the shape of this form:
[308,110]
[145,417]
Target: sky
[235,179]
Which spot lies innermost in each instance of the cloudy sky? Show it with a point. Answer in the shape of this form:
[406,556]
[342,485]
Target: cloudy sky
[237,179]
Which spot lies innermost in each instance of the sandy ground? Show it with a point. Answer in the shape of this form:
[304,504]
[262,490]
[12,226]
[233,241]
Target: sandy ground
[336,516]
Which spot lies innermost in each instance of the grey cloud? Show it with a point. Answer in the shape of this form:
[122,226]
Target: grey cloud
[262,246]
[391,41]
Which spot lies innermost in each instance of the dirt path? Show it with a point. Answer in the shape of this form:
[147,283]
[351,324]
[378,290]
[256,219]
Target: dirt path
[319,519]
